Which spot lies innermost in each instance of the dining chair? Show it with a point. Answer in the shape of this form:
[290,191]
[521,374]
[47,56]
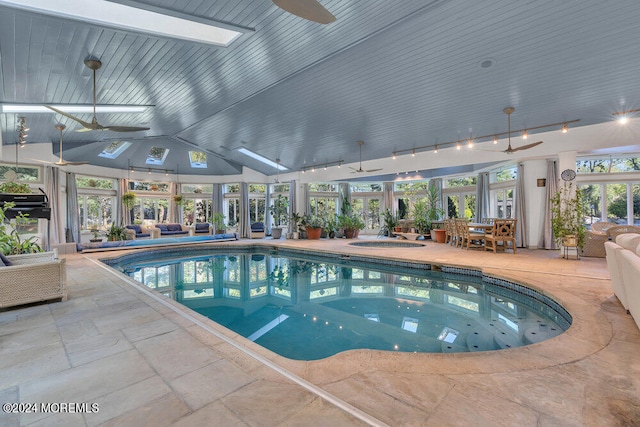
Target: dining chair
[461,227]
[503,232]
[447,229]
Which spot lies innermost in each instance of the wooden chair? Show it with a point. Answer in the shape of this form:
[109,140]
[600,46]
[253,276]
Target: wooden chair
[447,229]
[472,239]
[461,227]
[503,232]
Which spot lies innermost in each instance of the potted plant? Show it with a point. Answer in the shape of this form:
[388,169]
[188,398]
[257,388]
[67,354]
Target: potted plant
[351,224]
[129,200]
[218,223]
[331,226]
[279,212]
[10,241]
[178,199]
[96,235]
[15,187]
[567,217]
[434,212]
[295,219]
[389,223]
[314,225]
[116,233]
[419,212]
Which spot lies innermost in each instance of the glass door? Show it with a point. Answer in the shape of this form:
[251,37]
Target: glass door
[369,209]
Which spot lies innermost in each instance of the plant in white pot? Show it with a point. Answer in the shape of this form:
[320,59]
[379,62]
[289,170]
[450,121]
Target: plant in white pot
[279,212]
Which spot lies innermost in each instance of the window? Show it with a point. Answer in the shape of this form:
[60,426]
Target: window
[257,202]
[162,187]
[115,149]
[157,156]
[197,188]
[96,201]
[198,159]
[151,209]
[27,174]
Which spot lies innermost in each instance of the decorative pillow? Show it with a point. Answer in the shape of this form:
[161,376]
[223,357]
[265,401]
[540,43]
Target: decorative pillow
[201,226]
[5,260]
[174,227]
[162,227]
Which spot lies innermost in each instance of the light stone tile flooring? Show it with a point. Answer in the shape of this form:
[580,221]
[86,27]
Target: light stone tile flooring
[147,361]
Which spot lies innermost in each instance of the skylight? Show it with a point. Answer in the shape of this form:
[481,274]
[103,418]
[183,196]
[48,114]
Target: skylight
[157,22]
[262,159]
[198,159]
[115,149]
[157,155]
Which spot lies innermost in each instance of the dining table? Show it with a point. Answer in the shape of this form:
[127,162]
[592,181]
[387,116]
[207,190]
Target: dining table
[479,226]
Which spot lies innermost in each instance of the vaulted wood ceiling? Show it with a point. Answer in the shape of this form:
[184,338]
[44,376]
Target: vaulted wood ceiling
[396,74]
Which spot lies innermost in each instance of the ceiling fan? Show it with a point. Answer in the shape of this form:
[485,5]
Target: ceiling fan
[62,162]
[310,10]
[360,170]
[509,150]
[95,64]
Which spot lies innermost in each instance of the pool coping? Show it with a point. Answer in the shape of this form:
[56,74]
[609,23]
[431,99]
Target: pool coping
[589,333]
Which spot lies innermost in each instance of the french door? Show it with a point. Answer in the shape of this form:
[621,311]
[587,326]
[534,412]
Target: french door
[369,209]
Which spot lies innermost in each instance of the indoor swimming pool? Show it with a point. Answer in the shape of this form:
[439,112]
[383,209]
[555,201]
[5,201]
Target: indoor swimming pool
[306,306]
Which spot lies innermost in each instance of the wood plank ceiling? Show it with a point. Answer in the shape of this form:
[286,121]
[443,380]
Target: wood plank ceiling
[397,75]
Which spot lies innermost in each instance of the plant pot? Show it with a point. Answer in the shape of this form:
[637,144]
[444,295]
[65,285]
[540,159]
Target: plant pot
[276,232]
[350,233]
[295,235]
[440,235]
[314,233]
[332,235]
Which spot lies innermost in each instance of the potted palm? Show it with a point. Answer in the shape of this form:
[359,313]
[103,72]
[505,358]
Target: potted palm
[116,233]
[279,212]
[389,223]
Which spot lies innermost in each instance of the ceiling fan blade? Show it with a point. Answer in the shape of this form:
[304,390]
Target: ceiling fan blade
[310,10]
[86,125]
[373,170]
[125,128]
[525,147]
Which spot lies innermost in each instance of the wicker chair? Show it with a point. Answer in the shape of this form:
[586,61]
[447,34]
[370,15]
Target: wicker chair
[614,232]
[32,278]
[504,231]
[595,238]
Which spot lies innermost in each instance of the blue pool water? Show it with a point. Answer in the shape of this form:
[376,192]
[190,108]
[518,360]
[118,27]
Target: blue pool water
[310,307]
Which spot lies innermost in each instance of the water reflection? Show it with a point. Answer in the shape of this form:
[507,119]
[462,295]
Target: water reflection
[309,309]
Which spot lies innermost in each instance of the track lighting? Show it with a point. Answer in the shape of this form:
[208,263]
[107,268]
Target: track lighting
[337,163]
[413,153]
[394,155]
[494,137]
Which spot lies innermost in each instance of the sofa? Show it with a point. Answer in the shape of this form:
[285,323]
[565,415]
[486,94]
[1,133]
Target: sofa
[623,261]
[202,229]
[174,230]
[136,231]
[30,278]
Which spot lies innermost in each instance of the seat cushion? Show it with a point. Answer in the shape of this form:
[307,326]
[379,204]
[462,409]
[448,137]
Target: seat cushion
[257,226]
[174,227]
[162,227]
[202,227]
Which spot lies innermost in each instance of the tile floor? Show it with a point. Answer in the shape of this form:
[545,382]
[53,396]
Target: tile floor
[145,360]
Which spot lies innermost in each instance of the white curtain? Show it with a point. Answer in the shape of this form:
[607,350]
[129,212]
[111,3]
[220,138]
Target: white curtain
[437,182]
[73,212]
[305,198]
[483,200]
[52,179]
[122,215]
[243,226]
[293,204]
[546,238]
[521,213]
[218,199]
[387,195]
[174,209]
[345,193]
